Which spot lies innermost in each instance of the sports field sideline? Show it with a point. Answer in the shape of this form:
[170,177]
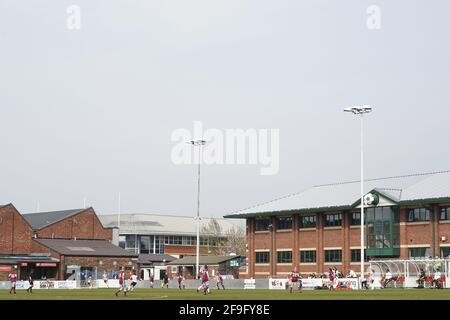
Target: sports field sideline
[190,294]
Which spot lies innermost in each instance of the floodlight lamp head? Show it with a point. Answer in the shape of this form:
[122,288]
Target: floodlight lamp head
[197,142]
[359,109]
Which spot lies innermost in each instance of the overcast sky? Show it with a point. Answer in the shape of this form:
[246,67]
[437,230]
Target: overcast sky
[89,113]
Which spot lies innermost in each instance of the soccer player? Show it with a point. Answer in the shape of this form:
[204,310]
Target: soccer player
[134,280]
[205,280]
[152,280]
[219,281]
[122,282]
[180,281]
[331,277]
[105,278]
[387,278]
[295,280]
[165,282]
[436,279]
[89,282]
[421,280]
[30,284]
[13,279]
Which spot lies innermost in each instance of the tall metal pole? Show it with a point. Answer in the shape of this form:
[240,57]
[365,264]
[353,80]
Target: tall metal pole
[197,259]
[362,197]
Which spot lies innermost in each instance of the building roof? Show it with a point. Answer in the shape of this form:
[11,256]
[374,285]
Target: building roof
[408,189]
[17,258]
[155,258]
[41,220]
[208,260]
[157,224]
[101,248]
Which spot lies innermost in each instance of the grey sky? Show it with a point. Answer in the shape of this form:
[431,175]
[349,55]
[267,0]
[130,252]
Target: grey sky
[90,113]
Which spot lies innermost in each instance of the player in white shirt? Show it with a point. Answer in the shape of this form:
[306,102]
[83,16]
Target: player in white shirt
[387,278]
[134,280]
[437,279]
[105,278]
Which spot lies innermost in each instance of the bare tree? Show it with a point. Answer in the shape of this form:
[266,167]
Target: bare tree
[236,241]
[223,243]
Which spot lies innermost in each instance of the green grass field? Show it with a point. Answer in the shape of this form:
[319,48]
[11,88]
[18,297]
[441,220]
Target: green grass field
[190,294]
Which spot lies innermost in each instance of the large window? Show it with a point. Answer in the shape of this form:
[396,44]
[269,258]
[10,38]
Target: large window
[419,214]
[262,224]
[333,255]
[333,220]
[308,256]
[131,243]
[445,213]
[284,256]
[355,218]
[383,231]
[355,255]
[419,253]
[262,257]
[144,244]
[284,223]
[308,221]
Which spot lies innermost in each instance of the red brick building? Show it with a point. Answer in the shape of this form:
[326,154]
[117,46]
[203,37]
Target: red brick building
[46,243]
[405,217]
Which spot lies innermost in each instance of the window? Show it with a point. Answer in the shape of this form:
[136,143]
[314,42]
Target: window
[130,243]
[308,256]
[383,229]
[144,244]
[284,223]
[122,240]
[333,255]
[262,224]
[262,257]
[419,214]
[419,253]
[284,256]
[307,222]
[445,213]
[445,252]
[333,220]
[355,255]
[355,218]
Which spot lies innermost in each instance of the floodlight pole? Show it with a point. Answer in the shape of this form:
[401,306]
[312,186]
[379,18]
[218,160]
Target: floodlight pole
[362,196]
[198,143]
[360,110]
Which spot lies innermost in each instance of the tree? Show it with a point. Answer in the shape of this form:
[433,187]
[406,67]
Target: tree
[236,241]
[223,243]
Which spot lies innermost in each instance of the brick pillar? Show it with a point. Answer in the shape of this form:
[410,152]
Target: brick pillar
[403,233]
[251,247]
[62,264]
[273,248]
[295,242]
[435,249]
[345,241]
[320,252]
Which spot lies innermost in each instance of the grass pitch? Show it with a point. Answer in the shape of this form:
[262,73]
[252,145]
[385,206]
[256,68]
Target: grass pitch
[191,294]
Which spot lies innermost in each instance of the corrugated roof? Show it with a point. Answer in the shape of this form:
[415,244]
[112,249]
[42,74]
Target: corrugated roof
[156,224]
[408,188]
[40,220]
[208,260]
[85,248]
